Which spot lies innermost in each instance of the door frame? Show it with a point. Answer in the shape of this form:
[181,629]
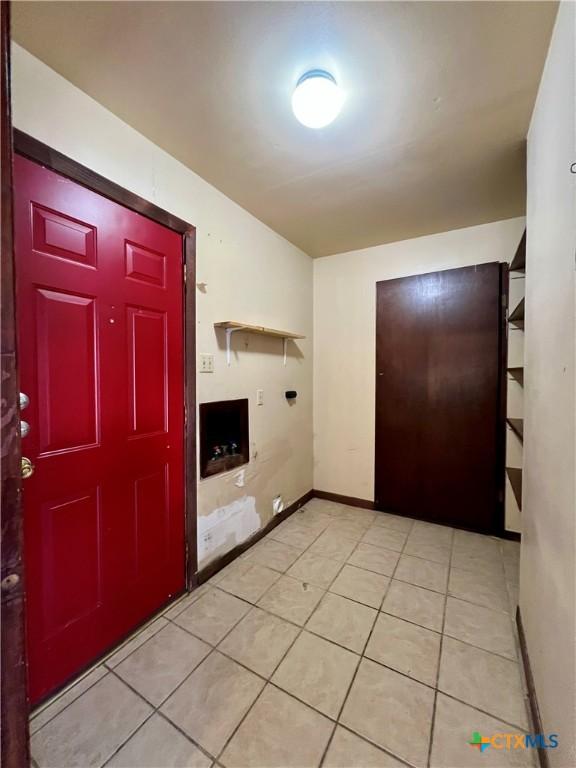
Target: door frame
[41,153]
[14,700]
[15,747]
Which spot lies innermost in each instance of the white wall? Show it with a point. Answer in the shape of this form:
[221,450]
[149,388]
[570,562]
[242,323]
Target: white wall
[250,273]
[344,340]
[547,573]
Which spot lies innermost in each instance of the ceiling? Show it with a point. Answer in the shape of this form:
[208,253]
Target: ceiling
[431,137]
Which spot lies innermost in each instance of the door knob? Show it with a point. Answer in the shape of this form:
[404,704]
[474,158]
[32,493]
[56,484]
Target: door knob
[24,428]
[27,468]
[24,401]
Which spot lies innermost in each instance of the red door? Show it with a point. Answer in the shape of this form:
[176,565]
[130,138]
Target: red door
[99,292]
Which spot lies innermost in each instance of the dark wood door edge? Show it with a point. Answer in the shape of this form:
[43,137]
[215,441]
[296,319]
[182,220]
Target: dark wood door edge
[500,511]
[14,703]
[190,480]
[532,698]
[221,562]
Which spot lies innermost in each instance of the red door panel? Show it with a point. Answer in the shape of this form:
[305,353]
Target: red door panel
[101,359]
[66,330]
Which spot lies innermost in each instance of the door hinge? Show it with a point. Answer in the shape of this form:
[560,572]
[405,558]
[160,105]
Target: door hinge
[504,299]
[184,272]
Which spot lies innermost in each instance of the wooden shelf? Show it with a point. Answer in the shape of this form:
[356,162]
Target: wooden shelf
[518,263]
[232,326]
[517,373]
[517,316]
[259,329]
[515,477]
[517,426]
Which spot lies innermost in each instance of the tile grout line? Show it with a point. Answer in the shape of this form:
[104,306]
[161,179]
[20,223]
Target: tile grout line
[70,688]
[269,679]
[362,655]
[376,746]
[435,702]
[156,711]
[214,648]
[216,586]
[301,628]
[103,664]
[331,642]
[118,748]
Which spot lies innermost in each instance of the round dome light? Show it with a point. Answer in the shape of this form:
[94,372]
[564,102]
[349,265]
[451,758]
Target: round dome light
[317,99]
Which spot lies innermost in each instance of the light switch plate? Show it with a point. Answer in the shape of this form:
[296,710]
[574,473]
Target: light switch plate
[206,363]
[259,397]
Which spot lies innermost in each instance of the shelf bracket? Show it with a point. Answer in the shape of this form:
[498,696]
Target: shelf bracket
[229,332]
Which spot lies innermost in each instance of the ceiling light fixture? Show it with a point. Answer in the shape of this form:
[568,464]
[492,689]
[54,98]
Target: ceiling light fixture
[317,99]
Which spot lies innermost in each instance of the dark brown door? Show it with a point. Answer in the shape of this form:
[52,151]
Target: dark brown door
[439,426]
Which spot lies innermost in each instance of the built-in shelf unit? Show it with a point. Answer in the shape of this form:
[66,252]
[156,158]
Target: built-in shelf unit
[518,263]
[517,426]
[515,370]
[517,373]
[516,317]
[515,477]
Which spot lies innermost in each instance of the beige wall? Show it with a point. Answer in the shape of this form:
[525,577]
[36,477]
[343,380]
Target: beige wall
[248,273]
[344,340]
[547,573]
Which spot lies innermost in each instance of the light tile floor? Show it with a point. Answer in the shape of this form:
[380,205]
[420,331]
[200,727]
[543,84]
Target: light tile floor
[345,639]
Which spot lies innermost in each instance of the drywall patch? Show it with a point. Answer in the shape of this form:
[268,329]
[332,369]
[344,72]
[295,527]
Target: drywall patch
[227,527]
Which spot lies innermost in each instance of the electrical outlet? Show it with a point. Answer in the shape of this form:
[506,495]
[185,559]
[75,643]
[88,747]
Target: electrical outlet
[206,363]
[259,397]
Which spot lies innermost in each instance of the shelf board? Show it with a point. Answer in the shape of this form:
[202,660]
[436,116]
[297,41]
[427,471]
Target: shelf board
[517,373]
[515,477]
[518,263]
[259,329]
[517,426]
[517,315]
